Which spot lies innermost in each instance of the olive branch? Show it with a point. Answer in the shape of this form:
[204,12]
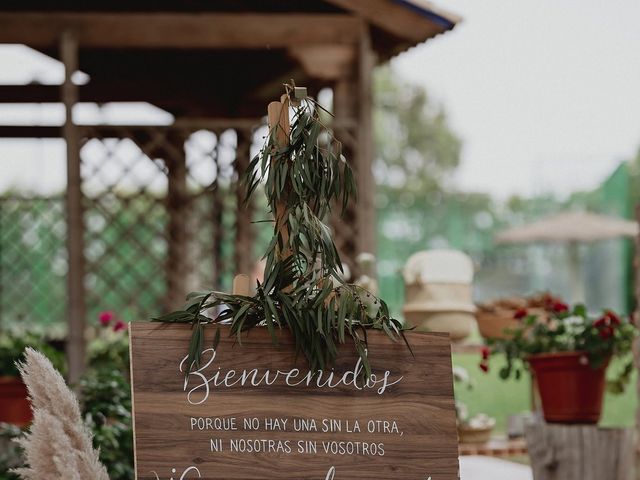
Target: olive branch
[304,172]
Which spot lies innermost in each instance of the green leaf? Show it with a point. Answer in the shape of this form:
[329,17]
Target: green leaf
[301,180]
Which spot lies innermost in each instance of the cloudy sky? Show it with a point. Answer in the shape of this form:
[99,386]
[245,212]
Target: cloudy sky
[544,93]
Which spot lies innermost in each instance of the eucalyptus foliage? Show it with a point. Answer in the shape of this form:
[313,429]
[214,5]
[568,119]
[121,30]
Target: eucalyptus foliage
[302,289]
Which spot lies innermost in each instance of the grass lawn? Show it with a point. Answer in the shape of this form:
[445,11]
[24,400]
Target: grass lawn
[499,399]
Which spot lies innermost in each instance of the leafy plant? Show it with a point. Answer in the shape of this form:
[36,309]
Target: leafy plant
[569,330]
[106,405]
[110,354]
[13,345]
[106,397]
[10,451]
[105,394]
[304,173]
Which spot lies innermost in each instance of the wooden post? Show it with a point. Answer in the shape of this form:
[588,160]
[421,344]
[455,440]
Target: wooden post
[243,252]
[366,184]
[278,119]
[75,224]
[580,452]
[219,230]
[345,224]
[636,343]
[178,267]
[353,108]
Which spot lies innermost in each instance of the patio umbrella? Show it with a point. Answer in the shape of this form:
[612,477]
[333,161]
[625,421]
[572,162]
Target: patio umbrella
[571,228]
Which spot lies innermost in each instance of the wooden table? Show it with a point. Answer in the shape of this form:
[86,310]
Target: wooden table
[496,447]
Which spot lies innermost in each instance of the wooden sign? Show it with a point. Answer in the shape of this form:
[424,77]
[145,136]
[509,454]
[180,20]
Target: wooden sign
[252,412]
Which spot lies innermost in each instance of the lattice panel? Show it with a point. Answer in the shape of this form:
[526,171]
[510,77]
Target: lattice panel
[125,236]
[33,262]
[126,183]
[211,180]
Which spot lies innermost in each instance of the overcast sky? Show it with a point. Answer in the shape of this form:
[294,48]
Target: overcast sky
[544,94]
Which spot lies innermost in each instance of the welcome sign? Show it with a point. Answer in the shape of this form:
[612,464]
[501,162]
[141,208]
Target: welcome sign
[255,412]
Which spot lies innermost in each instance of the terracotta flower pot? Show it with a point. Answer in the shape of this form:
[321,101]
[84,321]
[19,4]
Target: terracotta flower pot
[571,390]
[497,324]
[14,405]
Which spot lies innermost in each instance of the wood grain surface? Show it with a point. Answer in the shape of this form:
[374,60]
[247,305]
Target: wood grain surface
[418,397]
[580,452]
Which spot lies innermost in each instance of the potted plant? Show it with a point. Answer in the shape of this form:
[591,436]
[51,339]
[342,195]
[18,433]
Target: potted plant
[500,317]
[568,354]
[475,429]
[14,405]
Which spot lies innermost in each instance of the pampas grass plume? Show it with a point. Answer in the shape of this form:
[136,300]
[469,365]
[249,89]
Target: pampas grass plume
[58,445]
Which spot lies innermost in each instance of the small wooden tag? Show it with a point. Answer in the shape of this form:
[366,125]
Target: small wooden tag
[241,285]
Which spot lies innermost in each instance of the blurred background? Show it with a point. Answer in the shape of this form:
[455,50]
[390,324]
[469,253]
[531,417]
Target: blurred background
[462,120]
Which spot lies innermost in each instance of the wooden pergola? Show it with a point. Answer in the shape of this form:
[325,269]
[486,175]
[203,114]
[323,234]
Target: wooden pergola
[212,65]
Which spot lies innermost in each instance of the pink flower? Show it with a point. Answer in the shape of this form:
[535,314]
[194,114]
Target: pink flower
[119,326]
[105,318]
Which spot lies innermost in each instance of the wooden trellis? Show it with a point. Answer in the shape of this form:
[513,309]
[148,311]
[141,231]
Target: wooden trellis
[213,66]
[145,249]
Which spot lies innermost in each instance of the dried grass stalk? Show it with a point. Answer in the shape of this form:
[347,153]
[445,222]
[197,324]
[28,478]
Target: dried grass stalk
[58,445]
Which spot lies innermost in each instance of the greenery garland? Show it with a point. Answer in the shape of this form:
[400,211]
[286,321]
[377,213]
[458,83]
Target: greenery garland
[302,289]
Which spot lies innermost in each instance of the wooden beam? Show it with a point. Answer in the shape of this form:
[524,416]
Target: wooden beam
[325,62]
[30,131]
[115,131]
[178,30]
[396,19]
[76,307]
[186,101]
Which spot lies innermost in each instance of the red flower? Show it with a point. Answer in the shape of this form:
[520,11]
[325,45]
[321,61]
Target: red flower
[520,313]
[608,319]
[484,366]
[612,317]
[485,352]
[105,318]
[560,307]
[119,326]
[549,300]
[605,332]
